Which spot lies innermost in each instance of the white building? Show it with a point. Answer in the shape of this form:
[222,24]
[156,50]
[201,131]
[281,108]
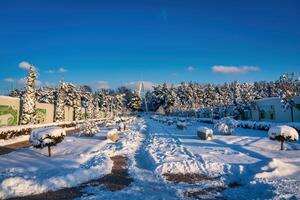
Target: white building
[270,109]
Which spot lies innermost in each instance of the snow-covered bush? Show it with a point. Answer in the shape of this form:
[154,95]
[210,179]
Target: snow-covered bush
[47,137]
[89,128]
[205,133]
[113,135]
[181,125]
[283,133]
[226,125]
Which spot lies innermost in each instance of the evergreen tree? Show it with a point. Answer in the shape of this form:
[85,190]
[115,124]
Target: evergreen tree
[28,114]
[60,103]
[287,91]
[136,102]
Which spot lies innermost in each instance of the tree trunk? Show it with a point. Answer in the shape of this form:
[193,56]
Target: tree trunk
[49,151]
[292,113]
[281,145]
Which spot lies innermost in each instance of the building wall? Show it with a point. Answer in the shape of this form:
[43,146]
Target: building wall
[69,113]
[44,113]
[9,111]
[275,105]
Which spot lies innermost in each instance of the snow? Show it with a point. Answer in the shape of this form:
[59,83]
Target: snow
[21,138]
[74,161]
[277,168]
[287,132]
[153,148]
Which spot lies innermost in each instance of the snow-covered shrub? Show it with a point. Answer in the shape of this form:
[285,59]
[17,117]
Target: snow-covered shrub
[113,135]
[205,133]
[47,137]
[89,128]
[283,133]
[226,125]
[181,125]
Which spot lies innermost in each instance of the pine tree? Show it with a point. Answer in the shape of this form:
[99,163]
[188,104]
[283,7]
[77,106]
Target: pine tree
[287,91]
[136,102]
[60,103]
[29,100]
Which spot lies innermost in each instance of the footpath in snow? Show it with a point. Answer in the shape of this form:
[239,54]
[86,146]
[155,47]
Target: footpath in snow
[250,165]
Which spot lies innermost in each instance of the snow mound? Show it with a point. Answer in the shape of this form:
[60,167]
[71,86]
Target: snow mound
[277,168]
[183,166]
[285,131]
[42,137]
[113,135]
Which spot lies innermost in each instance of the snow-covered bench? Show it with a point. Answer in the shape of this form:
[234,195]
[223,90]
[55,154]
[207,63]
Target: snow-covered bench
[47,137]
[204,133]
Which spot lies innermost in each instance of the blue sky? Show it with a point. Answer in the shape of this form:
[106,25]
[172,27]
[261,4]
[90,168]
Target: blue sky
[115,43]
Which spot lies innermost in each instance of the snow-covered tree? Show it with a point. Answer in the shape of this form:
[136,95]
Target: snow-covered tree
[89,128]
[46,94]
[287,90]
[47,137]
[136,102]
[282,134]
[60,103]
[28,114]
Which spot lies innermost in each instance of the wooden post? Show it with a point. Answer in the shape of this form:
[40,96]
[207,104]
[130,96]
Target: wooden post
[49,150]
[281,145]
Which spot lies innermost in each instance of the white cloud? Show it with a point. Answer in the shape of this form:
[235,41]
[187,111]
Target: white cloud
[62,70]
[25,65]
[234,69]
[148,85]
[190,69]
[9,80]
[102,85]
[50,71]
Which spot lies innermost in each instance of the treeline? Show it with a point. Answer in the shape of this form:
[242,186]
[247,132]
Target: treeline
[220,100]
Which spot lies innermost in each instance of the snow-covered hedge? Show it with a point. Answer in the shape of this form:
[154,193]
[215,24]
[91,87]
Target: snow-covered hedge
[14,131]
[47,137]
[283,133]
[259,125]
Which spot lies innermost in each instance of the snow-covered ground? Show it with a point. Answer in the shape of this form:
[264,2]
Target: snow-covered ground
[245,165]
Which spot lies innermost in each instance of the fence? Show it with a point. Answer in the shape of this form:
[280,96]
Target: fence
[10,112]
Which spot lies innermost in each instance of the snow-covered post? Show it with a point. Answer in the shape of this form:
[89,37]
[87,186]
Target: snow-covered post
[60,104]
[28,115]
[283,133]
